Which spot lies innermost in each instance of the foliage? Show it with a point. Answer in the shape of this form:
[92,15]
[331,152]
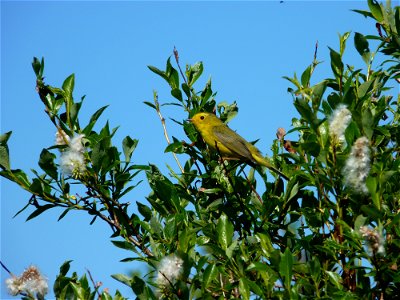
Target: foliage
[238,236]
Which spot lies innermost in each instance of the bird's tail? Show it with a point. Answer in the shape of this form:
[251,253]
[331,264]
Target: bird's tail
[262,161]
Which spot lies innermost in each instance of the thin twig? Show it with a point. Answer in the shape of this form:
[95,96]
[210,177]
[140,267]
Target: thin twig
[165,129]
[252,187]
[5,268]
[130,238]
[176,54]
[94,283]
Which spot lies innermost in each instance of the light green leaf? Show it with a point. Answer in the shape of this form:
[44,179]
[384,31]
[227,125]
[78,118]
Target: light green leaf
[225,231]
[244,289]
[210,273]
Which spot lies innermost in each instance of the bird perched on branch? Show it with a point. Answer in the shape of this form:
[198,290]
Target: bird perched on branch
[219,137]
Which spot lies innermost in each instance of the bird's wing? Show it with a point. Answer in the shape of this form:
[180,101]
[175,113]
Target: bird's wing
[234,142]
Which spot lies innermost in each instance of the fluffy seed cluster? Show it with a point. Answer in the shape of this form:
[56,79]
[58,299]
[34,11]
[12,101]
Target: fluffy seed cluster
[72,160]
[374,239]
[357,166]
[338,122]
[30,282]
[169,270]
[61,138]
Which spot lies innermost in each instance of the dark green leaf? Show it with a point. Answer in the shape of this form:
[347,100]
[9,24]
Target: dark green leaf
[285,267]
[176,93]
[123,245]
[93,120]
[46,163]
[172,75]
[397,19]
[363,12]
[305,77]
[64,213]
[150,104]
[361,43]
[4,151]
[336,63]
[158,72]
[144,210]
[38,67]
[39,211]
[176,147]
[186,89]
[362,46]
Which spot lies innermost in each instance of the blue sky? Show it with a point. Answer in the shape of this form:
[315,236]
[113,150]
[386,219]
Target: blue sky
[246,48]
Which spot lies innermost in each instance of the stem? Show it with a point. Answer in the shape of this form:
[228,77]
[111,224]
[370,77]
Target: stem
[5,268]
[165,129]
[94,284]
[176,54]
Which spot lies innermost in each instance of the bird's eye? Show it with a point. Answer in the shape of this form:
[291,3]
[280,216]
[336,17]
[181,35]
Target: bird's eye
[202,117]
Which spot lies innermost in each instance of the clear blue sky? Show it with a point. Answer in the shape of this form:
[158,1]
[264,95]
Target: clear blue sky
[246,48]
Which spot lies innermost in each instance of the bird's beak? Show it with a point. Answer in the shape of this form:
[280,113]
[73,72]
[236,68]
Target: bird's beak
[189,120]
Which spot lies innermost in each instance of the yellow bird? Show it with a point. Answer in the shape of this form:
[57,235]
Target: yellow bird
[227,142]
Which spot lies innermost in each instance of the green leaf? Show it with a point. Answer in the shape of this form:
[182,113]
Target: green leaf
[397,19]
[158,72]
[335,279]
[4,151]
[244,289]
[122,278]
[210,273]
[305,77]
[285,267]
[138,286]
[315,269]
[172,75]
[376,10]
[360,221]
[343,38]
[128,146]
[194,72]
[317,92]
[225,231]
[78,291]
[74,112]
[363,12]
[144,210]
[64,213]
[65,267]
[39,210]
[186,89]
[336,63]
[175,147]
[368,122]
[176,93]
[362,46]
[38,67]
[46,163]
[364,88]
[68,85]
[93,120]
[124,245]
[150,104]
